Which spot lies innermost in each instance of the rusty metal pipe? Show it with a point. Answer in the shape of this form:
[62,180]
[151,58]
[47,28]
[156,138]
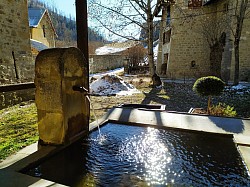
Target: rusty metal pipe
[80,89]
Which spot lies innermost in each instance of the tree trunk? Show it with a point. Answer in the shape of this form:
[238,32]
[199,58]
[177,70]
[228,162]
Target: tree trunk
[237,62]
[160,46]
[216,53]
[215,60]
[209,104]
[240,18]
[150,44]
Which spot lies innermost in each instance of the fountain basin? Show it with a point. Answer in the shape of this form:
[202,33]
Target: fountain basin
[138,156]
[239,129]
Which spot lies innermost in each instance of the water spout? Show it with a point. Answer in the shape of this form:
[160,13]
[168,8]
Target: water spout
[86,92]
[83,90]
[80,89]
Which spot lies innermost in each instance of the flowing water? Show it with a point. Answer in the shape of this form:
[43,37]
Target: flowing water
[100,136]
[139,156]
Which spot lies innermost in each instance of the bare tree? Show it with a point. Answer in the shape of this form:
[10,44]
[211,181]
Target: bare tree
[136,55]
[239,15]
[126,18]
[214,32]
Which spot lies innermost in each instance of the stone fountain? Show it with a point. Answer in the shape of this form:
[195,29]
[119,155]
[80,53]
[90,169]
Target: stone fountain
[63,114]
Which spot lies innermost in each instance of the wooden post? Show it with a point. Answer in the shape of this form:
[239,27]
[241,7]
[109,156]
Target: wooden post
[82,27]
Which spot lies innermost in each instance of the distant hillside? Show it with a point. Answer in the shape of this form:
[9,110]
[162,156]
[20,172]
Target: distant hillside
[65,26]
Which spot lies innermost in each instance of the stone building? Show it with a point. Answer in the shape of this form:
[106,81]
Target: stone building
[42,31]
[41,27]
[15,54]
[199,42]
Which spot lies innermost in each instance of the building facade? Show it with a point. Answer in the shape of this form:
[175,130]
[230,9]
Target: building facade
[199,42]
[41,27]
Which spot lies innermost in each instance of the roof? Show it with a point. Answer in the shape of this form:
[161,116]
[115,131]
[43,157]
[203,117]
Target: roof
[39,46]
[35,16]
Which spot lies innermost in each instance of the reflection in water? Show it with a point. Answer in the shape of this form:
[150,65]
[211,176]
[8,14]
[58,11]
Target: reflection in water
[137,156]
[149,153]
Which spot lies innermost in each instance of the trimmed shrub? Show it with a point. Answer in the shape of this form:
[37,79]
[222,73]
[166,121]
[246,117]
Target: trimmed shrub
[208,86]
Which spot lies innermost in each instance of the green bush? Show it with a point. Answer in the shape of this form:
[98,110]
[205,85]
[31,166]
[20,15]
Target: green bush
[223,110]
[208,86]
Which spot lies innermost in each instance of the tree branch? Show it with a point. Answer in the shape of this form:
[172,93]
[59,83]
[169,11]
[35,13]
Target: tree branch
[119,13]
[115,33]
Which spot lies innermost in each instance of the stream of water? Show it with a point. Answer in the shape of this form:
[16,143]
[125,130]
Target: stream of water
[100,137]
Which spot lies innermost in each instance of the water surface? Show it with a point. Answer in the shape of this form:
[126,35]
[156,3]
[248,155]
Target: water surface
[139,156]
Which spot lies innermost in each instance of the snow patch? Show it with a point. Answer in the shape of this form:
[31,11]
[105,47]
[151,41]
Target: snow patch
[111,84]
[239,89]
[114,71]
[108,50]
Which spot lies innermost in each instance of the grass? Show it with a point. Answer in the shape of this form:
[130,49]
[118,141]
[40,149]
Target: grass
[18,128]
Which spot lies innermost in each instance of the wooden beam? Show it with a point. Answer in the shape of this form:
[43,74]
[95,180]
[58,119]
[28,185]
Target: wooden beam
[15,87]
[82,27]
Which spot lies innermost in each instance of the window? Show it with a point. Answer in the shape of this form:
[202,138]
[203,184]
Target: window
[225,7]
[44,32]
[193,64]
[194,3]
[168,15]
[166,36]
[166,58]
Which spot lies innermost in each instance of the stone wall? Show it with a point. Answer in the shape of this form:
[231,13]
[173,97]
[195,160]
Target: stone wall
[99,63]
[15,97]
[15,54]
[187,45]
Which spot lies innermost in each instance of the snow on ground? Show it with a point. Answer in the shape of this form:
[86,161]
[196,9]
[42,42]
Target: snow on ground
[240,89]
[115,71]
[111,84]
[108,83]
[108,50]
